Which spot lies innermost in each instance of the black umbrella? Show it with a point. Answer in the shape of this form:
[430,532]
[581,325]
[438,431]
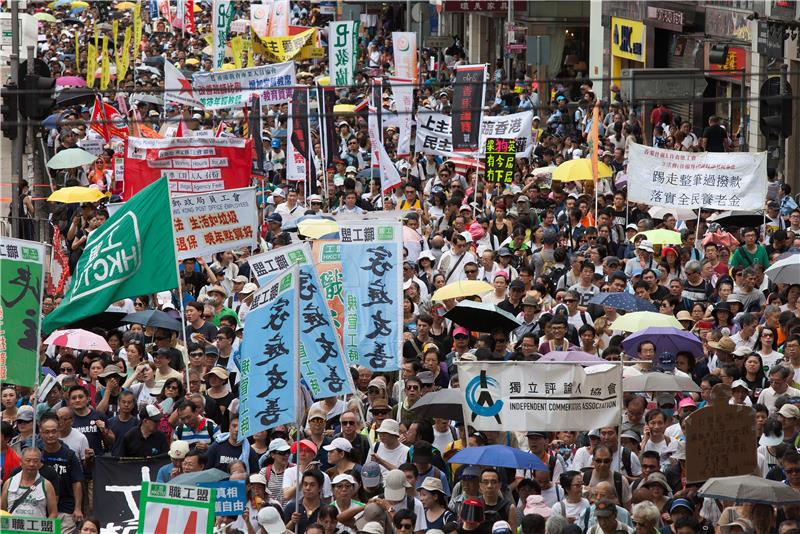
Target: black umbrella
[154,61]
[154,319]
[482,317]
[737,218]
[106,320]
[72,20]
[74,95]
[445,404]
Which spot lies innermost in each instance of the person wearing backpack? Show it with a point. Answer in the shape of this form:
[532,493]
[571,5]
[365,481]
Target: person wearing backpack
[573,505]
[196,430]
[623,460]
[602,471]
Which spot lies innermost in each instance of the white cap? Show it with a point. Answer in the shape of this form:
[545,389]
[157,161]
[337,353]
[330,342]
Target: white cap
[340,444]
[258,478]
[389,426]
[270,520]
[740,384]
[279,193]
[178,449]
[249,287]
[344,477]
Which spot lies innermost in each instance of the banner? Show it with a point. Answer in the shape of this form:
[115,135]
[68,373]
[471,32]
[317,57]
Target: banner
[374,132]
[220,26]
[235,88]
[512,396]
[138,26]
[297,144]
[128,256]
[270,352]
[499,160]
[255,128]
[15,524]
[328,262]
[105,65]
[279,18]
[124,61]
[390,176]
[326,100]
[403,91]
[192,164]
[91,65]
[213,222]
[434,134]
[516,126]
[469,95]
[21,282]
[231,497]
[166,508]
[342,51]
[117,485]
[285,48]
[322,361]
[177,88]
[691,180]
[372,258]
[259,17]
[189,25]
[404,47]
[237,47]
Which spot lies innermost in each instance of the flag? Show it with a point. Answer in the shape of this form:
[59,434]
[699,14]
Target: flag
[220,129]
[279,19]
[107,121]
[260,15]
[59,265]
[180,14]
[178,88]
[127,256]
[77,53]
[188,22]
[221,25]
[105,69]
[163,7]
[182,130]
[255,126]
[124,59]
[237,47]
[91,65]
[390,177]
[138,25]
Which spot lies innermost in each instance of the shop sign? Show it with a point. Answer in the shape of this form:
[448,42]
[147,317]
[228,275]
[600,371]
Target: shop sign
[736,60]
[496,6]
[628,39]
[728,23]
[667,16]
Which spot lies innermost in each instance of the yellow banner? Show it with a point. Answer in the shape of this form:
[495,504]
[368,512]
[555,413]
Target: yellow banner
[124,60]
[115,36]
[237,47]
[105,68]
[279,49]
[77,53]
[91,64]
[137,29]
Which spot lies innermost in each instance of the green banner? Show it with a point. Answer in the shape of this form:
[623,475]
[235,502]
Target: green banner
[21,283]
[12,524]
[166,508]
[132,254]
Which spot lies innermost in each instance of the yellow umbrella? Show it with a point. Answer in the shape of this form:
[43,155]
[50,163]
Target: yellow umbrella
[44,17]
[316,228]
[79,3]
[125,6]
[662,236]
[633,322]
[192,61]
[324,80]
[197,9]
[77,194]
[462,288]
[580,169]
[344,108]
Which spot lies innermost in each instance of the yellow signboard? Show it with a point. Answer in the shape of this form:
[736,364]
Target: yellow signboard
[628,39]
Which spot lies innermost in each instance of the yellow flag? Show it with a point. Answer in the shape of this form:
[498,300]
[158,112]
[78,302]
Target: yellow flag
[77,53]
[209,39]
[115,36]
[279,49]
[124,60]
[96,37]
[237,47]
[105,68]
[249,47]
[91,64]
[137,29]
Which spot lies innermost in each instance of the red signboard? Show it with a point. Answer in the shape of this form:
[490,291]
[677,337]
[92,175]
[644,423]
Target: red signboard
[735,62]
[498,6]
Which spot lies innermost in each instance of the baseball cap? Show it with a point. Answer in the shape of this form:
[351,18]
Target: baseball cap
[395,485]
[460,331]
[151,412]
[789,411]
[340,444]
[370,475]
[502,527]
[681,503]
[278,445]
[344,477]
[605,508]
[270,520]
[25,413]
[258,478]
[178,449]
[307,443]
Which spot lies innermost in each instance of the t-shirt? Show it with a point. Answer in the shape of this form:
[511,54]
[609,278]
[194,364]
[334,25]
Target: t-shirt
[290,481]
[396,456]
[77,442]
[715,138]
[87,425]
[208,331]
[220,455]
[569,509]
[586,293]
[698,293]
[68,468]
[134,444]
[120,428]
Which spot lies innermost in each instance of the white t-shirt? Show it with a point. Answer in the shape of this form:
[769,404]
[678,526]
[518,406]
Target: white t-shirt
[290,481]
[552,495]
[571,509]
[442,439]
[77,442]
[395,456]
[581,459]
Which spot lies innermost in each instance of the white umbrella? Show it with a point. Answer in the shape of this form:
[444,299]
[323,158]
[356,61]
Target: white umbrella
[785,271]
[657,212]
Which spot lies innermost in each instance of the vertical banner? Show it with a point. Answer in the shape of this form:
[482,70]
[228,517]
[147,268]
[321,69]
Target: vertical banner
[372,257]
[499,160]
[279,18]
[259,17]
[188,22]
[221,23]
[403,91]
[468,97]
[374,132]
[326,99]
[124,61]
[255,125]
[297,145]
[138,26]
[270,353]
[105,66]
[328,262]
[237,48]
[21,284]
[91,65]
[180,14]
[404,46]
[322,361]
[77,53]
[165,508]
[376,101]
[342,51]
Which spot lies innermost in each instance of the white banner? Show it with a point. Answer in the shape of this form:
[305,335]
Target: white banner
[260,16]
[515,126]
[373,130]
[518,396]
[434,134]
[691,180]
[390,176]
[404,45]
[295,162]
[213,222]
[235,88]
[403,91]
[342,51]
[220,24]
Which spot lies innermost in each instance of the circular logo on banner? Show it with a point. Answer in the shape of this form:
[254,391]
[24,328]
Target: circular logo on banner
[403,44]
[481,394]
[259,13]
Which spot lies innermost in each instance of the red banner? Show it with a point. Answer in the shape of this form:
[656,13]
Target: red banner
[192,164]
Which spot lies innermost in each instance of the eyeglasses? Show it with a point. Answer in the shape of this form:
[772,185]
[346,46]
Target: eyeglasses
[602,460]
[471,271]
[767,335]
[348,423]
[569,301]
[380,412]
[412,388]
[138,304]
[406,526]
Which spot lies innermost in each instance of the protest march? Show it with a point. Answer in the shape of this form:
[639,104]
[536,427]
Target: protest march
[286,267]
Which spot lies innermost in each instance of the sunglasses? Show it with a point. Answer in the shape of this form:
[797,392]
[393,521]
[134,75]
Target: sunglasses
[67,369]
[471,271]
[380,412]
[281,453]
[602,460]
[348,423]
[412,388]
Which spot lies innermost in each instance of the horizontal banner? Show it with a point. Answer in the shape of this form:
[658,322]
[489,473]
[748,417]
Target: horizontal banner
[235,88]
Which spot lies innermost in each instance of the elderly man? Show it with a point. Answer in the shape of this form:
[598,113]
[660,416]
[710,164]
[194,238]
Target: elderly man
[605,512]
[780,377]
[28,493]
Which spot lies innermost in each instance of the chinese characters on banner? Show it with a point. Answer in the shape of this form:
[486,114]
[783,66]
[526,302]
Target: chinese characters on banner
[372,256]
[170,508]
[192,164]
[220,25]
[322,362]
[235,88]
[691,180]
[500,156]
[469,94]
[512,396]
[404,49]
[277,49]
[516,126]
[297,146]
[434,134]
[231,496]
[213,222]
[270,352]
[342,51]
[328,261]
[403,91]
[21,283]
[11,524]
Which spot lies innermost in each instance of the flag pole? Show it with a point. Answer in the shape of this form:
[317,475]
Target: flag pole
[298,392]
[182,332]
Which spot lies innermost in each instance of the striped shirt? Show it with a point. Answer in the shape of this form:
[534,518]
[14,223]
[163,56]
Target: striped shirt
[199,435]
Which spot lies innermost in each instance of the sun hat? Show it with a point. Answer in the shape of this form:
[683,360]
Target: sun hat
[535,504]
[395,485]
[432,484]
[389,426]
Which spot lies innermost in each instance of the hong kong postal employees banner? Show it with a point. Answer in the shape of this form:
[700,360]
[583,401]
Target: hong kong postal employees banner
[518,396]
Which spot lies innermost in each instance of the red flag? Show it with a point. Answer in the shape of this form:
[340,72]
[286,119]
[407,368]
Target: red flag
[188,24]
[107,121]
[180,132]
[220,128]
[98,123]
[59,266]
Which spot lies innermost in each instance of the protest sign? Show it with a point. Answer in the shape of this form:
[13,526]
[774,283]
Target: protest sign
[297,144]
[434,134]
[322,362]
[192,164]
[213,222]
[14,524]
[390,176]
[220,26]
[21,283]
[515,396]
[691,180]
[93,146]
[499,160]
[167,508]
[372,257]
[270,352]
[231,497]
[709,456]
[235,88]
[328,262]
[403,91]
[404,48]
[342,51]
[260,14]
[517,126]
[286,48]
[469,94]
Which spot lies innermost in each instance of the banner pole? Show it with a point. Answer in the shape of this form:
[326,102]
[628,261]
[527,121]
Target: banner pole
[697,226]
[182,333]
[298,392]
[38,347]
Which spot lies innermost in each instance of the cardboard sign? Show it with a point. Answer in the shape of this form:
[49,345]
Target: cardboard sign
[720,442]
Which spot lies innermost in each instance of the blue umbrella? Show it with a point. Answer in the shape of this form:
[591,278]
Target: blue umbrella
[51,122]
[666,339]
[499,456]
[623,301]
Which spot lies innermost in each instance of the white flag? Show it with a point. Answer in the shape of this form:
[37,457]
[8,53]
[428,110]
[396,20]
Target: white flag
[295,162]
[260,15]
[279,19]
[403,91]
[178,88]
[390,177]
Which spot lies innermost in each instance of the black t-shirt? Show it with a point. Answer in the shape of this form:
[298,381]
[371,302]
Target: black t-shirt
[194,281]
[510,308]
[134,444]
[305,519]
[715,138]
[659,294]
[208,330]
[87,425]
[68,468]
[220,455]
[120,429]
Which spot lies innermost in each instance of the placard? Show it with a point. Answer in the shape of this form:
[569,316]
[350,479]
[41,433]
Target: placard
[499,160]
[231,497]
[14,524]
[328,260]
[235,88]
[707,455]
[167,508]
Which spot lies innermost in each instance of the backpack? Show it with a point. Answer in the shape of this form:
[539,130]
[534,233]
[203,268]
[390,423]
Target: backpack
[587,477]
[209,429]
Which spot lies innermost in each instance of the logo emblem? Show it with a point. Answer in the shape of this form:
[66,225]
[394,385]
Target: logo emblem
[481,393]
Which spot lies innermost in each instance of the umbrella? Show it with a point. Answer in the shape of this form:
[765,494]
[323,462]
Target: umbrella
[658,212]
[666,339]
[633,322]
[657,382]
[44,17]
[662,237]
[76,194]
[737,218]
[78,339]
[74,95]
[125,6]
[462,288]
[499,456]
[445,404]
[574,356]
[580,169]
[79,3]
[199,477]
[749,488]
[785,271]
[72,20]
[71,158]
[62,3]
[316,228]
[291,226]
[154,319]
[107,320]
[481,317]
[623,301]
[70,81]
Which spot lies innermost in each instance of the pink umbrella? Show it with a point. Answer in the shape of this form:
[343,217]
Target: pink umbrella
[70,81]
[78,339]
